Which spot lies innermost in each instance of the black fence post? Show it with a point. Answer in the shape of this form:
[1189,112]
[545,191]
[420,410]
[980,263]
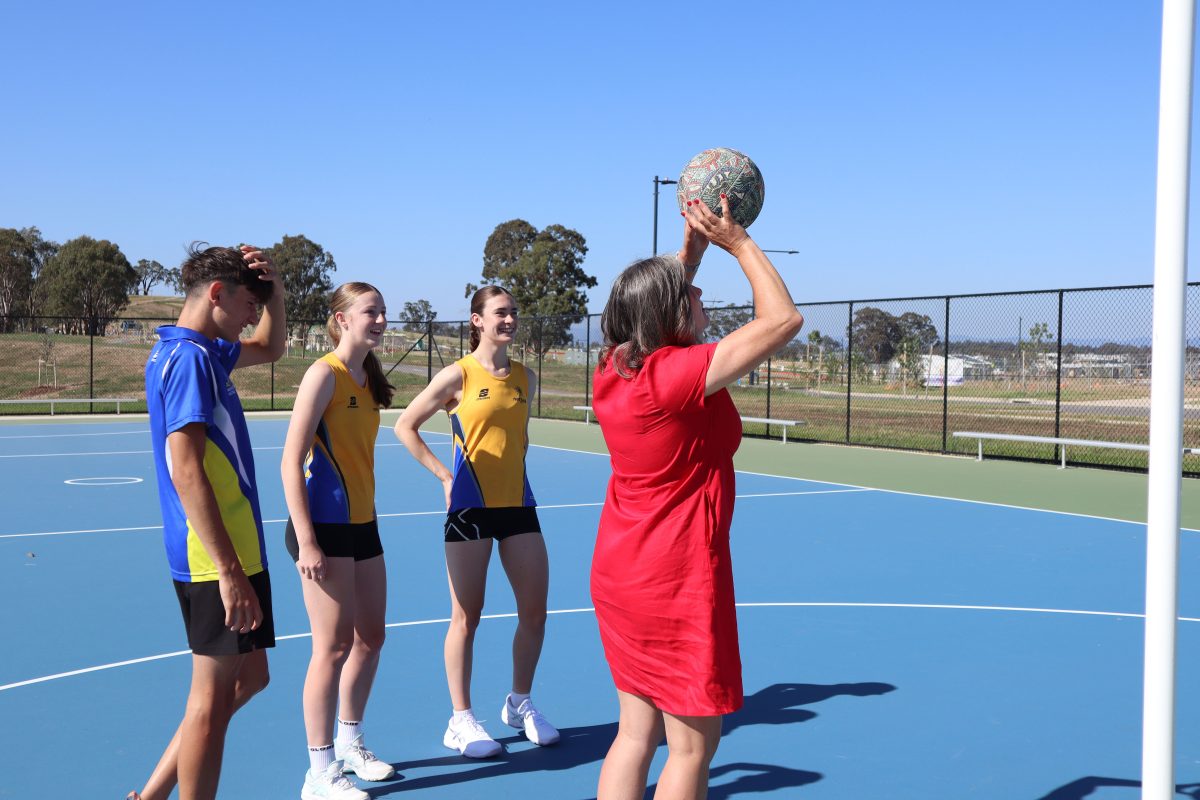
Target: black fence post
[768,396]
[541,330]
[946,375]
[1058,377]
[272,385]
[91,362]
[429,352]
[587,362]
[849,366]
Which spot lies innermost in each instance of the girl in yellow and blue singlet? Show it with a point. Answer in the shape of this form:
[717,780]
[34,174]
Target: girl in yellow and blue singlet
[486,395]
[328,471]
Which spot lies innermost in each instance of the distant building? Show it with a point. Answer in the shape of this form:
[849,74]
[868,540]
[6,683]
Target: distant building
[935,369]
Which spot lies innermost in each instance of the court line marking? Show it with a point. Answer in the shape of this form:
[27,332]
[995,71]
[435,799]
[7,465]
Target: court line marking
[742,471]
[398,514]
[900,492]
[960,500]
[512,615]
[140,452]
[73,435]
[112,480]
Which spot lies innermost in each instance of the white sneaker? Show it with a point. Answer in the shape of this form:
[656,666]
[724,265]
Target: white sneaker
[470,739]
[527,718]
[362,762]
[330,784]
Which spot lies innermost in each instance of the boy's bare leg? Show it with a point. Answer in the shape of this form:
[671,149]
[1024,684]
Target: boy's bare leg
[251,678]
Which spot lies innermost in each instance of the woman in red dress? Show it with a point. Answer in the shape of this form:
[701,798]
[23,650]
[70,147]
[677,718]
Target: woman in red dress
[662,581]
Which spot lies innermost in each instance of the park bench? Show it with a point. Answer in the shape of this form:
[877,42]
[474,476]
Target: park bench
[32,401]
[784,423]
[1059,440]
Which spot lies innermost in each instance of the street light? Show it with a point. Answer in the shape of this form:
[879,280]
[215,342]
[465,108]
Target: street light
[657,182]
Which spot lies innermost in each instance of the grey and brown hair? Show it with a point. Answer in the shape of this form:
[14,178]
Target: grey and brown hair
[649,307]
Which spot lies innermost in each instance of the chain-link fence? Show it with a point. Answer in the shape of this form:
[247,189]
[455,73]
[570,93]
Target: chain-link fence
[900,372]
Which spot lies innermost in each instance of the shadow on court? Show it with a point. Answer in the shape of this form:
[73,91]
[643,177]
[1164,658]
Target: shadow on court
[774,705]
[1083,787]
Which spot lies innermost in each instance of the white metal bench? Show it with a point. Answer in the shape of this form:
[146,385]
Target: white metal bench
[784,423]
[1059,440]
[33,401]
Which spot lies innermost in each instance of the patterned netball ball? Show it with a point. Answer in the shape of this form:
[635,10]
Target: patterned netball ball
[723,170]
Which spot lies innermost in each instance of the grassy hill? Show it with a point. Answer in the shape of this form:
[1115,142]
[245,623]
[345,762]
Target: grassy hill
[152,307]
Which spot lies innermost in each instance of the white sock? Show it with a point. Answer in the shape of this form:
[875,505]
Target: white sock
[460,716]
[516,698]
[319,758]
[347,731]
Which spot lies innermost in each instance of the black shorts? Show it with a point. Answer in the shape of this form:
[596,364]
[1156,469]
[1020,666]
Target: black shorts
[357,540]
[473,524]
[204,618]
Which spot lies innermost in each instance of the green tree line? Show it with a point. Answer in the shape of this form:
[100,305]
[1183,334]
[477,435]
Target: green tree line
[85,282]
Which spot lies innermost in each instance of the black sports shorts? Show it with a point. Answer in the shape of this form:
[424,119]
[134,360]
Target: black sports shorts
[204,618]
[472,524]
[357,540]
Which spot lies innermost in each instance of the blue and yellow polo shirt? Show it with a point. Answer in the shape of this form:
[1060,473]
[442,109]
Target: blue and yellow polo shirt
[339,469]
[187,380]
[489,427]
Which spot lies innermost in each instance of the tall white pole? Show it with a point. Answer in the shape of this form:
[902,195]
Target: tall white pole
[1166,400]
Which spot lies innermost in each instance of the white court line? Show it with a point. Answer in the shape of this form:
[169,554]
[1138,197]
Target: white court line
[387,516]
[742,471]
[74,435]
[958,499]
[510,615]
[138,452]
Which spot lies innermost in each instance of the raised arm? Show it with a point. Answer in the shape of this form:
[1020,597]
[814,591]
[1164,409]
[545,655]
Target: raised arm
[443,392]
[242,610]
[312,398]
[776,319]
[269,341]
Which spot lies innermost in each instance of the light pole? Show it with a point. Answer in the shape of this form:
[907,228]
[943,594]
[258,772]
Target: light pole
[789,252]
[657,182]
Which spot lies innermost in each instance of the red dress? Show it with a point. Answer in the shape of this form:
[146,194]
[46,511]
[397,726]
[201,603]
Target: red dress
[662,580]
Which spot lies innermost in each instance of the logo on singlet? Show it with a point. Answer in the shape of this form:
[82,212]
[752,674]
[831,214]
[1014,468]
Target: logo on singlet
[483,394]
[520,395]
[353,401]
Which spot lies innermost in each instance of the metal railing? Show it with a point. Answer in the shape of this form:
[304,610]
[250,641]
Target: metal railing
[894,372]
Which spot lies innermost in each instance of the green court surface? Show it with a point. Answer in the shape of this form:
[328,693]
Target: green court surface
[1076,490]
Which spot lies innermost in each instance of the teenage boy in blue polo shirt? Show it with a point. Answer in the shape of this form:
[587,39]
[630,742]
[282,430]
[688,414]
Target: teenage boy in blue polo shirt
[212,526]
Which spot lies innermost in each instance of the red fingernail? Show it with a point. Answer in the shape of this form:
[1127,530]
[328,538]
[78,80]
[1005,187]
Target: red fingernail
[689,202]
[722,195]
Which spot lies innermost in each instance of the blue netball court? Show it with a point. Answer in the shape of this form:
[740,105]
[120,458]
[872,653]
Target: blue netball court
[896,643]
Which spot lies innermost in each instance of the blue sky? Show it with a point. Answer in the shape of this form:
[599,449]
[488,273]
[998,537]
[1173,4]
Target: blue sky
[910,148]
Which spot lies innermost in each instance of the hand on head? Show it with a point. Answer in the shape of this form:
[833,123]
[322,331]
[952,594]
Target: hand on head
[257,259]
[722,231]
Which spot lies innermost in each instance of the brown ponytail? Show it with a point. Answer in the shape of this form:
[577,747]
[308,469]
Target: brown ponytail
[344,297]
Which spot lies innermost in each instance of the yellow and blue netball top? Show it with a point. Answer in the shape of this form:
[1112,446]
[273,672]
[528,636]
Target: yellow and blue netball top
[187,380]
[490,439]
[339,470]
